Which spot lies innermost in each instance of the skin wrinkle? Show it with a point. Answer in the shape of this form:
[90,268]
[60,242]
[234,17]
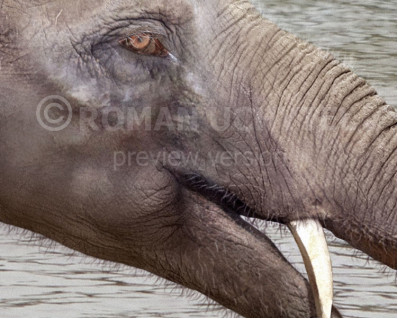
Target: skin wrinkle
[344,72]
[360,109]
[247,49]
[250,263]
[247,181]
[369,173]
[364,95]
[240,53]
[261,151]
[387,183]
[335,150]
[159,225]
[266,72]
[387,129]
[258,49]
[283,53]
[254,53]
[324,87]
[300,84]
[225,34]
[290,75]
[316,95]
[358,83]
[394,208]
[335,141]
[371,148]
[363,121]
[224,61]
[225,17]
[341,72]
[257,160]
[378,173]
[310,79]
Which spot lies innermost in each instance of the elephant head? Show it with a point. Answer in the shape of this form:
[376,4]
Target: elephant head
[142,132]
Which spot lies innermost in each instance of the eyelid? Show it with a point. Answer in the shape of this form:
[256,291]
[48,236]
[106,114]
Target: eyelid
[144,43]
[135,25]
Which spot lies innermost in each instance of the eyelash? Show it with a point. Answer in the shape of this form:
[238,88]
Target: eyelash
[144,44]
[114,37]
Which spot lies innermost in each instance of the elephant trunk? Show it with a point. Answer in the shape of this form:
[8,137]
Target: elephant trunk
[363,178]
[335,138]
[354,131]
[353,135]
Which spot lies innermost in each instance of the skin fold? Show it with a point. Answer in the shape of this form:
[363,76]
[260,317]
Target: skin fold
[273,127]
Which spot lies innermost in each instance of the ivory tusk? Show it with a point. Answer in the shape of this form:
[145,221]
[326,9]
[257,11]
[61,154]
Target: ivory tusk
[311,241]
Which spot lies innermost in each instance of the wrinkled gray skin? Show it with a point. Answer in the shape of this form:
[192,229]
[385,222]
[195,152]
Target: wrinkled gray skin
[327,143]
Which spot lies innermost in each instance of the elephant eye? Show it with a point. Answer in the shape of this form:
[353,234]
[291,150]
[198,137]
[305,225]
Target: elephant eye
[145,44]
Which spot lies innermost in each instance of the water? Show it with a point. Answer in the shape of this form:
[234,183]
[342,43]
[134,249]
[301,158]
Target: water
[36,280]
[53,282]
[360,33]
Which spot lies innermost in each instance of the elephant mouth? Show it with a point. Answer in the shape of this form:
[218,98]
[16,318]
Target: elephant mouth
[308,235]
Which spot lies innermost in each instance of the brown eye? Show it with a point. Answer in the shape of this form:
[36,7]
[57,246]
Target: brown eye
[140,42]
[145,44]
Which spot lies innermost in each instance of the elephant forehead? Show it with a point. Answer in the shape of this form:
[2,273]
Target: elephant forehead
[174,11]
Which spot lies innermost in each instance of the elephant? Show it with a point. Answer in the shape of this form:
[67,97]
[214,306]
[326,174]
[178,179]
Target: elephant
[149,130]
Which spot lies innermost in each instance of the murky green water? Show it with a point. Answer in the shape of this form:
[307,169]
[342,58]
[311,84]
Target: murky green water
[52,282]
